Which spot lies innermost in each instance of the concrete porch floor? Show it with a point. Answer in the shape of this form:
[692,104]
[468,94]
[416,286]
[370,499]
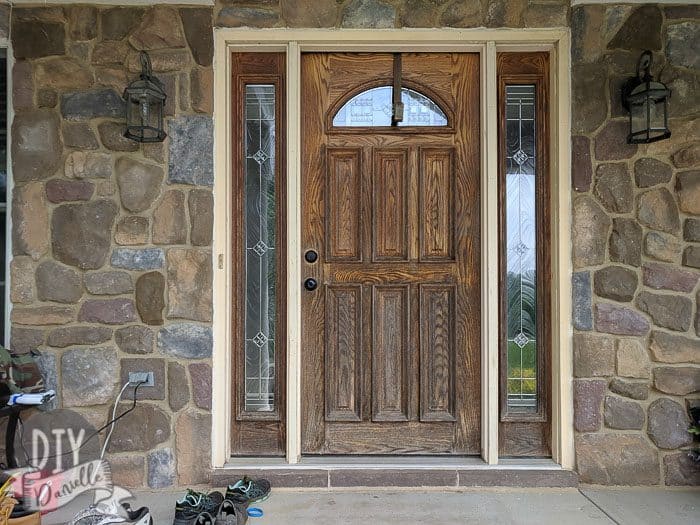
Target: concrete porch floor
[651,506]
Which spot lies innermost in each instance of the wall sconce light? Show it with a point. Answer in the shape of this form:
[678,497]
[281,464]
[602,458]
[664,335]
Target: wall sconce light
[647,102]
[145,99]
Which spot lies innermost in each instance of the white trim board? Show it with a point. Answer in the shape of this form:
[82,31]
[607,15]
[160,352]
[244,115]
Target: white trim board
[484,41]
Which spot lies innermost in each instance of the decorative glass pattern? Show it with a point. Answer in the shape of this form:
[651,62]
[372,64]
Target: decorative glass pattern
[521,250]
[372,108]
[260,262]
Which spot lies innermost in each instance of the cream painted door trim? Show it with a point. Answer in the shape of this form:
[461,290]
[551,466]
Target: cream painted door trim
[484,41]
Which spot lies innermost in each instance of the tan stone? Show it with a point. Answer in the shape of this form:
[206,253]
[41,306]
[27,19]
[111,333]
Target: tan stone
[201,206]
[193,441]
[616,459]
[131,231]
[687,157]
[160,29]
[139,183]
[632,359]
[161,61]
[183,83]
[110,53]
[114,77]
[154,151]
[169,220]
[22,280]
[688,190]
[105,188]
[594,356]
[671,348]
[678,381]
[43,315]
[88,165]
[662,246]
[82,22]
[189,284]
[30,221]
[310,13]
[591,227]
[63,73]
[127,471]
[202,91]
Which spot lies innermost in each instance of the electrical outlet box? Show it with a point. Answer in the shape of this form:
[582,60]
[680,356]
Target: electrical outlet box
[145,378]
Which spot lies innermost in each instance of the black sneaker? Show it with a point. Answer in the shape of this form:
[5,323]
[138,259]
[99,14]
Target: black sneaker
[251,489]
[197,508]
[232,513]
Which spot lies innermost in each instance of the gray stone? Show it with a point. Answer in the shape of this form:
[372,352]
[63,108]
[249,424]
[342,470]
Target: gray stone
[112,137]
[626,242]
[688,190]
[22,280]
[583,309]
[613,187]
[590,232]
[688,156]
[192,441]
[159,29]
[79,135]
[243,16]
[658,210]
[108,311]
[178,386]
[691,230]
[139,183]
[671,348]
[594,356]
[133,259]
[683,84]
[588,398]
[189,284]
[681,470]
[200,374]
[118,22]
[161,468]
[668,424]
[42,315]
[98,103]
[145,428]
[140,364]
[616,459]
[642,30]
[611,141]
[632,359]
[108,283]
[668,311]
[188,340]
[81,233]
[616,283]
[36,39]
[88,165]
[650,172]
[48,369]
[78,335]
[132,230]
[619,320]
[668,277]
[36,145]
[25,340]
[623,415]
[632,389]
[150,300]
[134,339]
[30,221]
[589,104]
[678,381]
[89,376]
[191,150]
[662,246]
[197,24]
[683,44]
[201,207]
[691,256]
[368,14]
[58,190]
[169,219]
[581,171]
[46,98]
[57,283]
[459,13]
[682,11]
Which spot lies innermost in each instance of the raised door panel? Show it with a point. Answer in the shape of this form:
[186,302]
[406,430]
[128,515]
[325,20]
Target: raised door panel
[390,185]
[343,205]
[437,352]
[391,346]
[343,365]
[436,206]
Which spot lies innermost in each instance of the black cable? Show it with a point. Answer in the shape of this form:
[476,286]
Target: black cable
[96,432]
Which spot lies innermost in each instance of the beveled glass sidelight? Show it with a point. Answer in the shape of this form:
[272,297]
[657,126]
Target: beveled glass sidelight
[259,223]
[521,249]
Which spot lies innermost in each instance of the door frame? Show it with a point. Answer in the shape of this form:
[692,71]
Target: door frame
[486,42]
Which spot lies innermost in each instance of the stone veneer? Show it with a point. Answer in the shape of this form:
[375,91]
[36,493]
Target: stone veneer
[111,239]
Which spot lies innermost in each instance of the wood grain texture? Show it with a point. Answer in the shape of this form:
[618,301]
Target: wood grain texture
[343,186]
[389,267]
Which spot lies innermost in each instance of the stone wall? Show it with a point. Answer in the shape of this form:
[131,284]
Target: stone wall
[111,268]
[636,255]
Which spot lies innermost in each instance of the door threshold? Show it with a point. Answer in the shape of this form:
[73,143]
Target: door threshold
[407,472]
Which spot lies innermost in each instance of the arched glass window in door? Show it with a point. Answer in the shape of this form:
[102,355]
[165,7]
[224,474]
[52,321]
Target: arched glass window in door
[372,108]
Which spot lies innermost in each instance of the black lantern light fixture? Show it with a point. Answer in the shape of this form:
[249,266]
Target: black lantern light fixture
[647,102]
[145,99]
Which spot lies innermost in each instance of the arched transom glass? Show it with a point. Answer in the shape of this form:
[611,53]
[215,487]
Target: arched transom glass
[372,108]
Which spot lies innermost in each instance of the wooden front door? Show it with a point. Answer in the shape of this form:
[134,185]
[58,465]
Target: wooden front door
[391,331]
